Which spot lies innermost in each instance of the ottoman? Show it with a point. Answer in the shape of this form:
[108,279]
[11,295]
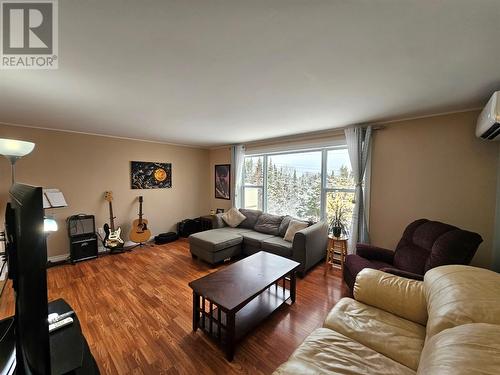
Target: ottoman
[213,246]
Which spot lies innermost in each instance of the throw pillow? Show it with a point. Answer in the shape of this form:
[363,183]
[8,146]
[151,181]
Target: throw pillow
[233,217]
[293,228]
[286,221]
[251,218]
[284,225]
[269,224]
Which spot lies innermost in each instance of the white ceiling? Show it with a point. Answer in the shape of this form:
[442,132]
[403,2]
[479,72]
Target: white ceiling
[211,72]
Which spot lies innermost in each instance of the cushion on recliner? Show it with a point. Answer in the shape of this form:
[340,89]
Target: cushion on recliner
[278,246]
[427,244]
[454,247]
[355,263]
[251,218]
[269,224]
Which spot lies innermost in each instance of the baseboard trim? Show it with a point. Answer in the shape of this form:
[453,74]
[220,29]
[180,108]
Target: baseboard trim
[58,258]
[63,257]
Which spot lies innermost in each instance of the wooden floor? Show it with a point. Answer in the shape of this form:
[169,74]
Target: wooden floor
[135,311]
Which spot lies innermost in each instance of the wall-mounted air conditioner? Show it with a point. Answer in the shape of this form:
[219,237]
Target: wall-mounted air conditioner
[488,123]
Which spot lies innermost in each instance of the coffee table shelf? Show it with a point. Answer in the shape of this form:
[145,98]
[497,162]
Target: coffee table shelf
[228,303]
[248,317]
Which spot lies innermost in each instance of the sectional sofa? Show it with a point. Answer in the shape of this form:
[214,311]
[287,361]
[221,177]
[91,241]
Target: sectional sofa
[448,324]
[260,231]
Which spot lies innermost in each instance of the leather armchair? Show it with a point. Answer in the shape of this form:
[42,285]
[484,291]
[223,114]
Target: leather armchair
[425,244]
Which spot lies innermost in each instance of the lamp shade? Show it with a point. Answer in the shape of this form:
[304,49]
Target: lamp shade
[49,224]
[14,148]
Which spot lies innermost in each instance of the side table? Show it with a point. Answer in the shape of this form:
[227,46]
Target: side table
[206,222]
[336,252]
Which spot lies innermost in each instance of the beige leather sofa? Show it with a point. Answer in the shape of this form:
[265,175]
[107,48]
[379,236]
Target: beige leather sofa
[449,324]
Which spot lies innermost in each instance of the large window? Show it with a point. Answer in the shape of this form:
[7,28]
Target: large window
[294,184]
[253,184]
[339,184]
[308,184]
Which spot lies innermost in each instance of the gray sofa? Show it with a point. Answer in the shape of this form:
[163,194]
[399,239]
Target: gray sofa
[260,232]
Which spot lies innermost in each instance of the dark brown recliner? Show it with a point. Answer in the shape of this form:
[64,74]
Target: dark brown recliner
[425,244]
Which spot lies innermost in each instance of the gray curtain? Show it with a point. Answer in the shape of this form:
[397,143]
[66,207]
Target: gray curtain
[237,160]
[358,145]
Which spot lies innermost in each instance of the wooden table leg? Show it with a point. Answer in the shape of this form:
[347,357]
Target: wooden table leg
[293,285]
[343,255]
[230,317]
[196,308]
[328,251]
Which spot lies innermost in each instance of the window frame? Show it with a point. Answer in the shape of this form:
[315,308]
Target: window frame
[264,180]
[324,166]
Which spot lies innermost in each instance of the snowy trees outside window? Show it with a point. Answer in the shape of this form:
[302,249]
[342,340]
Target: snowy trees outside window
[293,184]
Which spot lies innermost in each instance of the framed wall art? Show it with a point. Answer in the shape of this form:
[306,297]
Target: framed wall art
[223,181]
[150,175]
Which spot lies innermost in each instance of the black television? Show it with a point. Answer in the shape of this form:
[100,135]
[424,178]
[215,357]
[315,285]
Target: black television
[27,261]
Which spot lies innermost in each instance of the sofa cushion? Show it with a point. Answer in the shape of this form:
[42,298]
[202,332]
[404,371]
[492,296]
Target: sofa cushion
[254,239]
[269,224]
[284,225]
[397,338]
[233,217]
[328,352]
[286,221]
[237,230]
[278,246]
[464,350]
[251,218]
[218,222]
[215,239]
[294,227]
[459,295]
[398,295]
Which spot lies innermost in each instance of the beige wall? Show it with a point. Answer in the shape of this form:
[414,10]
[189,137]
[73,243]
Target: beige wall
[433,168]
[84,166]
[218,156]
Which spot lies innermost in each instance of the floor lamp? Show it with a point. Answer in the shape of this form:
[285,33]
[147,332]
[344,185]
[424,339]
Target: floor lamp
[14,150]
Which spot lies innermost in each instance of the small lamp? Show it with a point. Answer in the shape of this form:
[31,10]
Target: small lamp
[49,224]
[13,150]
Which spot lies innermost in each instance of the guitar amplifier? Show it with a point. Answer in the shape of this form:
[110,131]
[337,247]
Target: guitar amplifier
[83,247]
[82,237]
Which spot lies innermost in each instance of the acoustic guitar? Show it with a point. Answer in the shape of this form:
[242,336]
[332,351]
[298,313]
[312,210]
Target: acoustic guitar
[112,239]
[140,232]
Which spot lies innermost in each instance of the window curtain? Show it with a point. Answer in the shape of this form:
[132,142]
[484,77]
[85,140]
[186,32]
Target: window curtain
[237,160]
[358,145]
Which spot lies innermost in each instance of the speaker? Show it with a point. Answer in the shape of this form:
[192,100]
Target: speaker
[82,237]
[83,247]
[81,224]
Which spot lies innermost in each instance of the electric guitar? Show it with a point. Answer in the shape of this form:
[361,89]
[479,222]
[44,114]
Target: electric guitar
[140,232]
[112,239]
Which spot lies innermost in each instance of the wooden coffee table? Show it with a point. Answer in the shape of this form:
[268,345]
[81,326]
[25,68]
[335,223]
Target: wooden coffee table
[228,303]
